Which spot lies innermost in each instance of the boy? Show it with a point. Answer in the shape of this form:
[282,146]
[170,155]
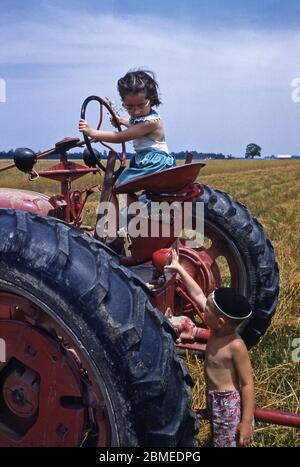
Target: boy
[227,367]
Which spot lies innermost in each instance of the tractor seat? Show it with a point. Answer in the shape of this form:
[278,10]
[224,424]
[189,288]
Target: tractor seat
[165,181]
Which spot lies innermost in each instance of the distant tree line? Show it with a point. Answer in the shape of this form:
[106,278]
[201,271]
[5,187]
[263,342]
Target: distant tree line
[178,155]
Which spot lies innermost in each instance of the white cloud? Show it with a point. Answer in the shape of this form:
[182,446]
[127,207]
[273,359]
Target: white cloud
[211,81]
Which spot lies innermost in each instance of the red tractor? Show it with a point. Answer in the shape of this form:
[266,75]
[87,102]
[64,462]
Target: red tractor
[89,353]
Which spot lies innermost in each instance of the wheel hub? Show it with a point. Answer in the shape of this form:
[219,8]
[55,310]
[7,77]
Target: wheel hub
[198,264]
[41,400]
[21,391]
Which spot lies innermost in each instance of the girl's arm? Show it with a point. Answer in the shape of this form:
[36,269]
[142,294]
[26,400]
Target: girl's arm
[194,290]
[134,132]
[243,366]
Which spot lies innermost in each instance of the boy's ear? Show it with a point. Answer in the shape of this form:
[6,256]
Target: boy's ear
[221,322]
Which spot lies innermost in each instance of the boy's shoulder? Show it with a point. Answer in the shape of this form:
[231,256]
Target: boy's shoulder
[237,344]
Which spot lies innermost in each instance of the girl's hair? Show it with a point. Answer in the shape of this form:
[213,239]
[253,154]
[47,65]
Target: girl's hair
[139,81]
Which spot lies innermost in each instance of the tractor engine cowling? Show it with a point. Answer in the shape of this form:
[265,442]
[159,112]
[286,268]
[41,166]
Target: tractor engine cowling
[24,200]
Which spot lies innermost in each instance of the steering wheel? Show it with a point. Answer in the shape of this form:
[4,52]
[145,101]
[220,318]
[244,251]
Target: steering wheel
[88,141]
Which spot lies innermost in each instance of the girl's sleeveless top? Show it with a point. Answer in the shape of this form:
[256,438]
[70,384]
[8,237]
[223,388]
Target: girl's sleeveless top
[146,143]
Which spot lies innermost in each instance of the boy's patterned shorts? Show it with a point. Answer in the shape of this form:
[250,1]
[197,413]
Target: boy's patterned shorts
[224,409]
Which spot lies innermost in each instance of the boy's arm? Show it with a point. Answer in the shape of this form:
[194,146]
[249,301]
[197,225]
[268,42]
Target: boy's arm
[194,290]
[125,122]
[244,370]
[120,121]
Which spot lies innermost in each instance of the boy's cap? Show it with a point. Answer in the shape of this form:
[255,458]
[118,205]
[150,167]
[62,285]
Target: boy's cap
[231,303]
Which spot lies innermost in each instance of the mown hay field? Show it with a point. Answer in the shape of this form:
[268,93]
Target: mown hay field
[271,191]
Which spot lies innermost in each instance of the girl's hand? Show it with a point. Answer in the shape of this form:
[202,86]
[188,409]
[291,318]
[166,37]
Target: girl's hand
[174,265]
[85,128]
[245,434]
[118,121]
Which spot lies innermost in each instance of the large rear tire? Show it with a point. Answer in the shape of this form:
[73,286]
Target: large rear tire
[62,292]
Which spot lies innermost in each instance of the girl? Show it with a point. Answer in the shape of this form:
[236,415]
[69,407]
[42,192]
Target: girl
[139,93]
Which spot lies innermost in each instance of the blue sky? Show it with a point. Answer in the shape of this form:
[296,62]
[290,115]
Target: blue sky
[224,67]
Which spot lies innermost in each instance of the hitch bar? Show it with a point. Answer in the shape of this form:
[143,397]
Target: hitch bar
[275,417]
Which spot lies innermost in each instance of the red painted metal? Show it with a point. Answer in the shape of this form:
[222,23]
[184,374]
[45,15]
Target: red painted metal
[198,264]
[26,201]
[65,172]
[188,306]
[187,330]
[274,417]
[42,419]
[66,144]
[50,396]
[277,417]
[168,181]
[161,258]
[76,205]
[69,205]
[49,152]
[21,391]
[195,347]
[188,193]
[159,235]
[70,170]
[155,238]
[142,248]
[162,289]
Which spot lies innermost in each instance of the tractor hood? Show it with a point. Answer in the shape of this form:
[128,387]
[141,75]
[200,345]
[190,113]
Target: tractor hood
[24,200]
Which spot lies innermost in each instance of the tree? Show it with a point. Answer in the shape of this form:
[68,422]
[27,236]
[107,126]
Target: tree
[252,150]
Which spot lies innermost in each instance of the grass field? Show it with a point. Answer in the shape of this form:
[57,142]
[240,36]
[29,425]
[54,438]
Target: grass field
[271,191]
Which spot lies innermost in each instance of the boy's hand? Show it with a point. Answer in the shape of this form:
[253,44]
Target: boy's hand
[183,325]
[174,262]
[245,434]
[84,127]
[118,121]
